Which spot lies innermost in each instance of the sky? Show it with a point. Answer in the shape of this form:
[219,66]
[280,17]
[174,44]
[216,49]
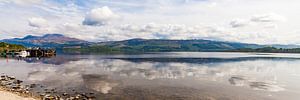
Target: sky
[247,21]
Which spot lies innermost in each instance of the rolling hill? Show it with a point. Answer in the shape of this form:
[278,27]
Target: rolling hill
[68,44]
[161,45]
[48,40]
[175,45]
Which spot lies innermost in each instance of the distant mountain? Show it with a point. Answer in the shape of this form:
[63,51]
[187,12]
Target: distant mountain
[177,45]
[62,42]
[162,45]
[48,40]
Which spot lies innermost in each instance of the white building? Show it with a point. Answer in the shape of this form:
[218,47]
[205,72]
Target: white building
[24,53]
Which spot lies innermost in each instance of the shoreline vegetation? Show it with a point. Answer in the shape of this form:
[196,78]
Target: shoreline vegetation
[21,51]
[267,50]
[6,47]
[138,49]
[113,50]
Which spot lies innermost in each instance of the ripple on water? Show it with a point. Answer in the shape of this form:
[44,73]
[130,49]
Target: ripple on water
[256,85]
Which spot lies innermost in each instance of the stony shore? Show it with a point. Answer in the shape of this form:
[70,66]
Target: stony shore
[5,95]
[14,89]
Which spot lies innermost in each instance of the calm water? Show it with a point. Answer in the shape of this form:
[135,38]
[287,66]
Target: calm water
[186,75]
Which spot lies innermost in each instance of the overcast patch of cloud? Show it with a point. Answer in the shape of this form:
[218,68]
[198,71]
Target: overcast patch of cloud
[238,23]
[99,16]
[37,22]
[268,18]
[158,31]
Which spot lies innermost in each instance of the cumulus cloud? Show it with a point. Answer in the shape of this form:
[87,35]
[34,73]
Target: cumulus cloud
[99,16]
[238,23]
[266,21]
[37,22]
[268,18]
[177,20]
[160,31]
[72,27]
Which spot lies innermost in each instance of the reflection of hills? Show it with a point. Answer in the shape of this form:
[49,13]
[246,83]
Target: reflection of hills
[103,75]
[57,60]
[203,60]
[62,59]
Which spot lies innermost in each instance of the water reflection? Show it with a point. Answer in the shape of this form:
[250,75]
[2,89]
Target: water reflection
[100,83]
[205,60]
[238,73]
[52,60]
[105,75]
[264,85]
[56,60]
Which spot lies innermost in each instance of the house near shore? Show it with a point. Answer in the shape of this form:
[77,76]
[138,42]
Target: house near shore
[24,53]
[39,52]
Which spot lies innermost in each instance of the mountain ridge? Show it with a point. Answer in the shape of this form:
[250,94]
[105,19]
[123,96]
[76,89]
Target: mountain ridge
[135,44]
[159,45]
[47,40]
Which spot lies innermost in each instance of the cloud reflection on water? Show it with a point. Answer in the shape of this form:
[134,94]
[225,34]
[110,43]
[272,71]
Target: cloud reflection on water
[97,73]
[100,83]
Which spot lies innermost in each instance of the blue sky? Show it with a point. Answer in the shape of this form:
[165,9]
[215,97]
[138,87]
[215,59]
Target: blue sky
[249,21]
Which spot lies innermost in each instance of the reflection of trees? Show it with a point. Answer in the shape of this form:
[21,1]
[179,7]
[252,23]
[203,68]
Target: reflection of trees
[203,60]
[56,60]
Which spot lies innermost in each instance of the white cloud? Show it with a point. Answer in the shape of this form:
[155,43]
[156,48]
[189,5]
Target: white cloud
[268,18]
[22,2]
[37,22]
[267,21]
[169,19]
[72,27]
[270,25]
[99,16]
[238,23]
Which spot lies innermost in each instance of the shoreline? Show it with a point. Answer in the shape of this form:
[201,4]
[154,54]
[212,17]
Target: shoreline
[13,89]
[8,95]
